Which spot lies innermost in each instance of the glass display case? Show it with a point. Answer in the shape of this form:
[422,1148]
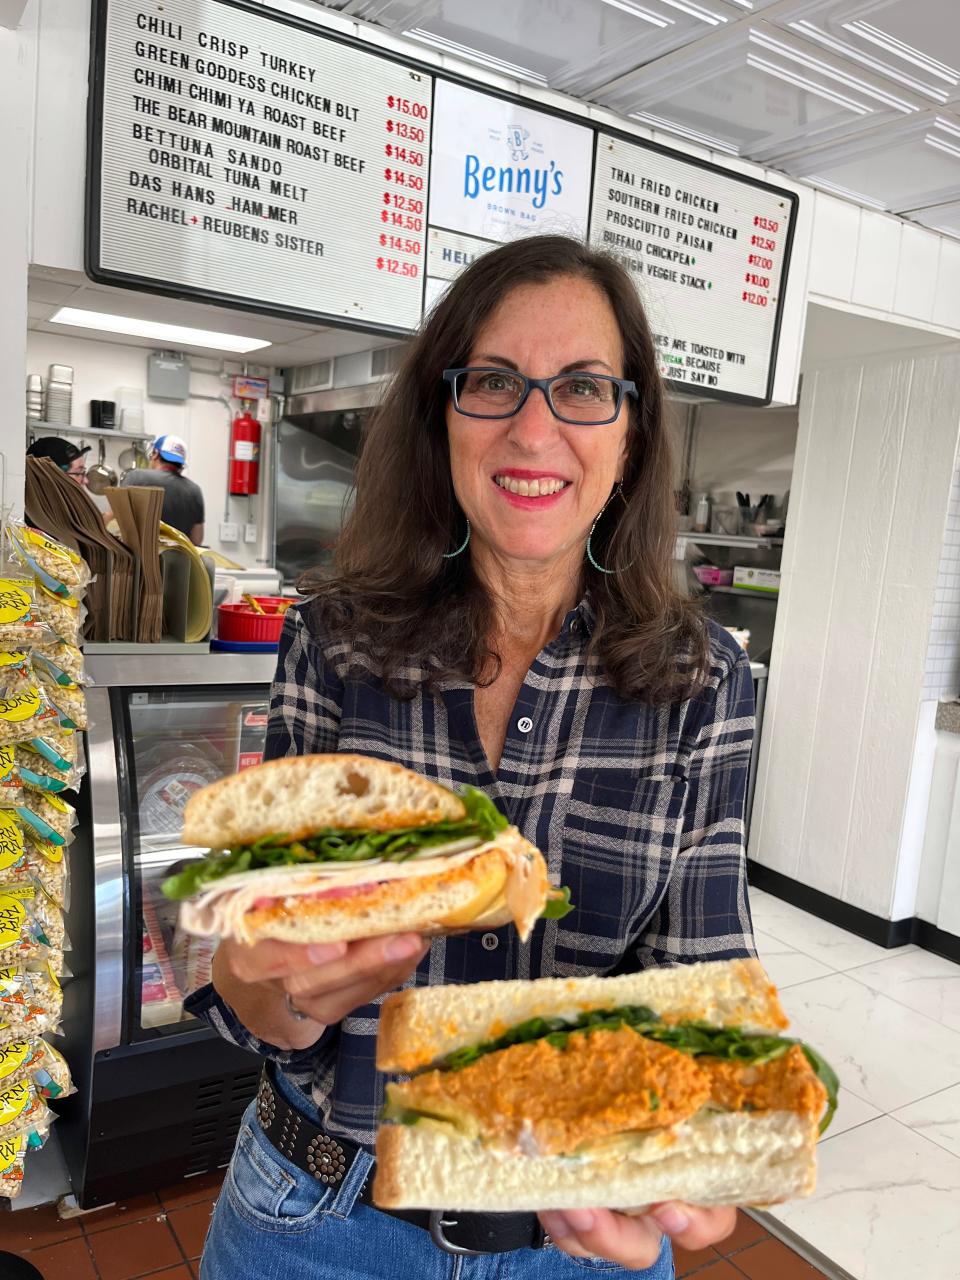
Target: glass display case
[160,1095]
[176,741]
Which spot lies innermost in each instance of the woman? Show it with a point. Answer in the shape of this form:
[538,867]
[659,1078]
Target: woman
[503,616]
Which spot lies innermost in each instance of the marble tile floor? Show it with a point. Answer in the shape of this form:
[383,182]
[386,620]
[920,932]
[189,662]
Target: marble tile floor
[887,1204]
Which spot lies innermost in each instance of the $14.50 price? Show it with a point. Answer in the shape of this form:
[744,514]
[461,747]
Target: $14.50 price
[404,155]
[413,181]
[399,244]
[402,221]
[396,268]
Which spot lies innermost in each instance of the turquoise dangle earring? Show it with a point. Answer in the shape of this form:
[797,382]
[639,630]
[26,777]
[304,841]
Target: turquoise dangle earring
[452,555]
[618,492]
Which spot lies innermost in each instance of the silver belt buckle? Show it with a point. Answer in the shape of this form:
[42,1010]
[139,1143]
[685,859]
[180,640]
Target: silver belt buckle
[437,1223]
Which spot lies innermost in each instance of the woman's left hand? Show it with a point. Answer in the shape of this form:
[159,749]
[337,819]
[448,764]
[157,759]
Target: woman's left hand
[634,1242]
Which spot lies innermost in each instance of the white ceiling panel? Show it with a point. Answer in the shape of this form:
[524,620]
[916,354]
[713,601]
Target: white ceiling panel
[944,218]
[914,42]
[904,166]
[760,92]
[570,45]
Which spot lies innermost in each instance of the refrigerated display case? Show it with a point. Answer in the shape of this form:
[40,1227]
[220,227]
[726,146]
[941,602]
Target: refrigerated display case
[160,1095]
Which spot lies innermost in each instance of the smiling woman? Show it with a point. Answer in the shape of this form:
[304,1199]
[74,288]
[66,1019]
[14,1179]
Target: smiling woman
[502,616]
[530,398]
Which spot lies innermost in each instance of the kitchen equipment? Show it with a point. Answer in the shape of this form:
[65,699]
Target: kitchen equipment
[701,513]
[726,521]
[239,622]
[34,396]
[127,461]
[749,578]
[101,477]
[711,576]
[103,414]
[130,409]
[58,405]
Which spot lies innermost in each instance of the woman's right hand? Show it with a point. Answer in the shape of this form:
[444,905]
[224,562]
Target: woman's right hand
[325,981]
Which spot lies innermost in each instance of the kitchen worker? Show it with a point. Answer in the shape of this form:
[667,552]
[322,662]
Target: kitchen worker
[182,498]
[66,456]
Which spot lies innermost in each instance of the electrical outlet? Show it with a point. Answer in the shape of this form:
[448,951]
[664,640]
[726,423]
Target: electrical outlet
[264,408]
[228,531]
[250,532]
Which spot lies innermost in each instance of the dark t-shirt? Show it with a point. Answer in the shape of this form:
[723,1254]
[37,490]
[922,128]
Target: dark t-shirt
[182,499]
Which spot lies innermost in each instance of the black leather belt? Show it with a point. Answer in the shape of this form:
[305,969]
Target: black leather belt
[329,1159]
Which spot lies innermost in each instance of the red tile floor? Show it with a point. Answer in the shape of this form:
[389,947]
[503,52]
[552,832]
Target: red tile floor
[160,1235]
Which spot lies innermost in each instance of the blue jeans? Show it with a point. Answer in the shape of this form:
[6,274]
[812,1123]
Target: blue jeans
[274,1222]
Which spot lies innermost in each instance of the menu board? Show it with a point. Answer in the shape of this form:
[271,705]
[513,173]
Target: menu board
[708,250]
[247,158]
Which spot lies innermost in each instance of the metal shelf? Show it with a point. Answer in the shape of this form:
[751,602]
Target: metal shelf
[67,429]
[744,591]
[729,540]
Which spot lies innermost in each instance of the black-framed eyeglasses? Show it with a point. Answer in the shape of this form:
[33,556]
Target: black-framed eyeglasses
[580,397]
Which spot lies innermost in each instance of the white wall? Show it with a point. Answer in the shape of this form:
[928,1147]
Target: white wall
[860,566]
[17,52]
[101,367]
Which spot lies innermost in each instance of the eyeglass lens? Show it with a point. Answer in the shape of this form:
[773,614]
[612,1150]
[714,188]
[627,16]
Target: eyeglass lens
[578,397]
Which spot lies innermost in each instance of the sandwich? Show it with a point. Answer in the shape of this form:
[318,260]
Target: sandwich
[329,848]
[566,1093]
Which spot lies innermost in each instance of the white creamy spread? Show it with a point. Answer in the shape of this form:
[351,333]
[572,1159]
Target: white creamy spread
[220,909]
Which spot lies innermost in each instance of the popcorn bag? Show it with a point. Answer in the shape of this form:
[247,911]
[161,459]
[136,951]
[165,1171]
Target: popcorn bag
[42,712]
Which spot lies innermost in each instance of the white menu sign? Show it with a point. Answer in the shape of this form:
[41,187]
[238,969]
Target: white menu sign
[247,158]
[707,249]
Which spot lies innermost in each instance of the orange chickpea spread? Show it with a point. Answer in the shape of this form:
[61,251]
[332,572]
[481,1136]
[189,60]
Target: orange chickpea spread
[550,1100]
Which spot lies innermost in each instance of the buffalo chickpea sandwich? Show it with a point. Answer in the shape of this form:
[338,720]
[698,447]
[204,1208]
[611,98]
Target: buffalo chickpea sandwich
[564,1093]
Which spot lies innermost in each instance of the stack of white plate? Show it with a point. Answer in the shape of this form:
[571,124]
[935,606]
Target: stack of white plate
[34,396]
[59,402]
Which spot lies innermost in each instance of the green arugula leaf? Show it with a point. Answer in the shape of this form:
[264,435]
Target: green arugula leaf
[483,821]
[558,905]
[828,1078]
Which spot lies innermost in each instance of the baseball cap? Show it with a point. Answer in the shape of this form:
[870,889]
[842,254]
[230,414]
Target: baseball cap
[171,449]
[61,451]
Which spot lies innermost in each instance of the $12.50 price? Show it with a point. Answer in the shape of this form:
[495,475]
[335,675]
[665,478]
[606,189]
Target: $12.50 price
[396,268]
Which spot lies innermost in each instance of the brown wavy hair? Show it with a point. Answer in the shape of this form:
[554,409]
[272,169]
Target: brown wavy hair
[409,607]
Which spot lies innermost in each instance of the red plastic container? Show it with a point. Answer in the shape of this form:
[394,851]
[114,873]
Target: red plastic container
[239,623]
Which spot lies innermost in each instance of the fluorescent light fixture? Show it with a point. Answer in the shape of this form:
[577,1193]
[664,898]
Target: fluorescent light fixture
[469,54]
[637,12]
[694,135]
[174,335]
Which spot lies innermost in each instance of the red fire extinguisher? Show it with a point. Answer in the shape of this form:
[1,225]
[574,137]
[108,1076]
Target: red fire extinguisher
[244,454]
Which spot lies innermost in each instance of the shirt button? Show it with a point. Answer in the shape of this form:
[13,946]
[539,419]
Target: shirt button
[574,626]
[524,724]
[490,942]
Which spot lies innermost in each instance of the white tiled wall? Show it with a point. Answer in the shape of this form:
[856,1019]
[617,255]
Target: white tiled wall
[941,677]
[875,453]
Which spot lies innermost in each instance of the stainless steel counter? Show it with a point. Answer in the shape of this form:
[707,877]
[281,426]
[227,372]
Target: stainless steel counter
[116,669]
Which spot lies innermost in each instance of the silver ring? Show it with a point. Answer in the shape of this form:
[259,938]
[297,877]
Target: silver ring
[297,1014]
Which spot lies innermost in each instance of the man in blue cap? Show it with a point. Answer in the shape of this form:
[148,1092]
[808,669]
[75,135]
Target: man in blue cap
[182,499]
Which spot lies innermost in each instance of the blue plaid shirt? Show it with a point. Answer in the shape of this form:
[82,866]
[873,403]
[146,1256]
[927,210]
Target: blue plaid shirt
[638,809]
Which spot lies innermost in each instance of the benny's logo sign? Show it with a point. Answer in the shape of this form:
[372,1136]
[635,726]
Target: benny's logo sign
[539,181]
